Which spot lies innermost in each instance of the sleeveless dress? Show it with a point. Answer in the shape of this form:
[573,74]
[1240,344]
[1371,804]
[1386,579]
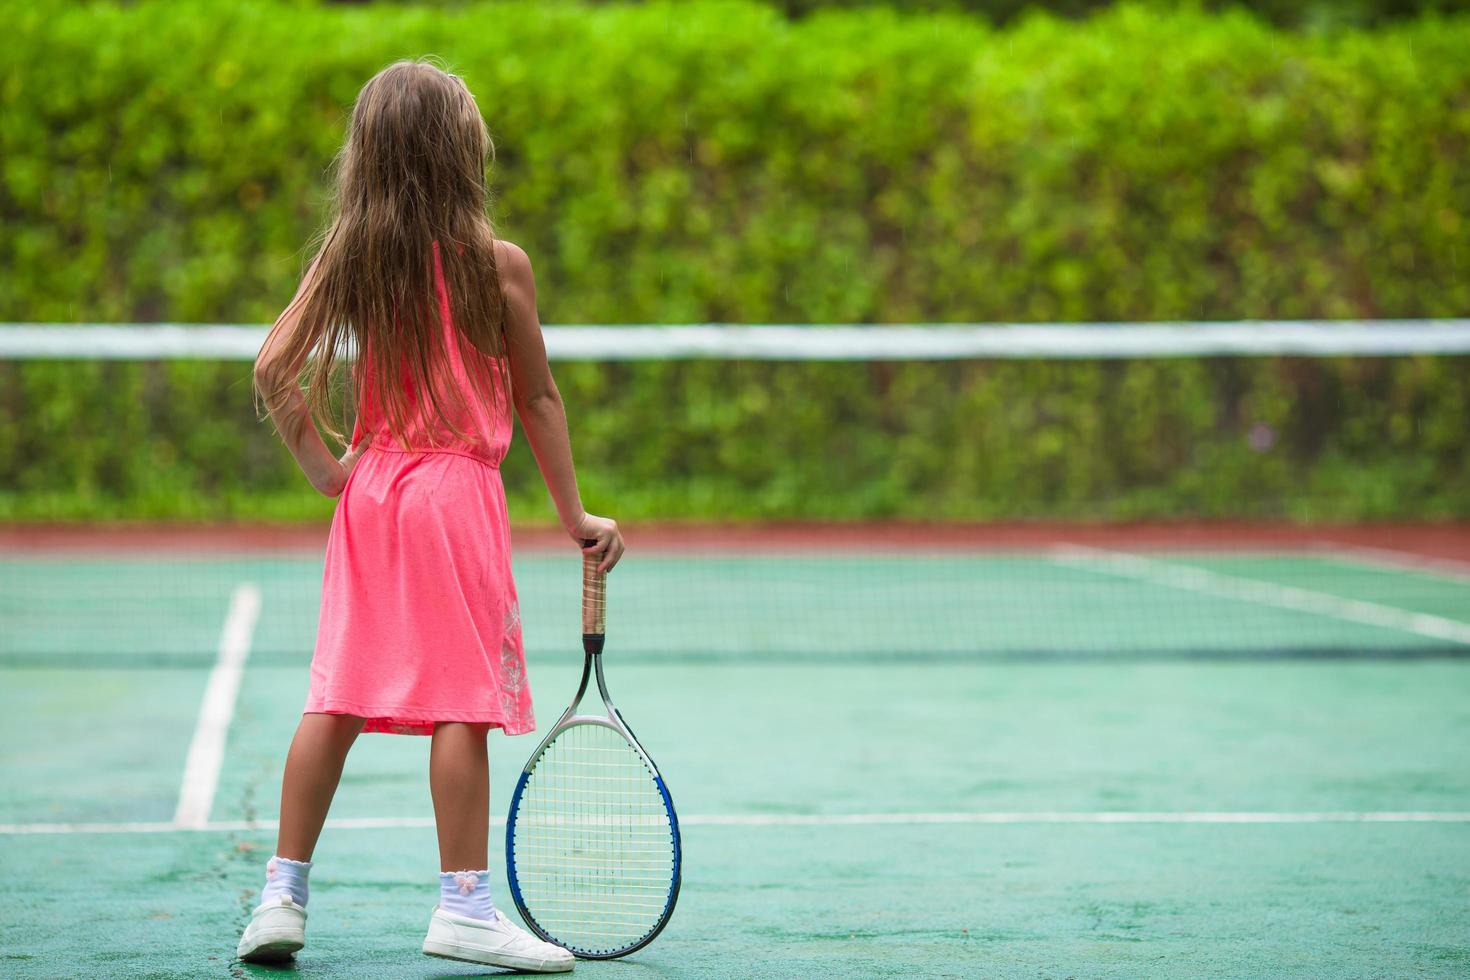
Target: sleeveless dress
[419,619]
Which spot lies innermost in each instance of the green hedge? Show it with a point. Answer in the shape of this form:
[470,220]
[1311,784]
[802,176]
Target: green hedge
[714,161]
[1300,14]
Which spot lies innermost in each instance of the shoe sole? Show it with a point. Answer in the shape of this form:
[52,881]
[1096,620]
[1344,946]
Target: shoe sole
[272,948]
[474,954]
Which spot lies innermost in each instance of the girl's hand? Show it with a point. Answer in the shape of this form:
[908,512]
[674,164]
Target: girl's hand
[335,480]
[604,532]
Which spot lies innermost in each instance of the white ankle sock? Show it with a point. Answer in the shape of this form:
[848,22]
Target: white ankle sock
[466,893]
[285,876]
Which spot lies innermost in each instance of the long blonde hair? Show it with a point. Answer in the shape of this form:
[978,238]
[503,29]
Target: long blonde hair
[409,178]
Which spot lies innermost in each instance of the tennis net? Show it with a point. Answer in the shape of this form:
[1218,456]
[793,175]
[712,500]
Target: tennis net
[804,493]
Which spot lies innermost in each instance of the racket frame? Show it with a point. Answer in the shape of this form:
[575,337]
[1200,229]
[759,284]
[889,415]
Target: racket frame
[593,638]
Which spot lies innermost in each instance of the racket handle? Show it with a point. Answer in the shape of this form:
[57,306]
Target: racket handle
[594,594]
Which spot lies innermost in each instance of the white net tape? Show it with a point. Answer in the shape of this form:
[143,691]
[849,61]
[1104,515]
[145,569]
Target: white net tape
[826,342]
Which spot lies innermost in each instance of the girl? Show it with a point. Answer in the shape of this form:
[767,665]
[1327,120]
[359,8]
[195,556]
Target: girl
[419,631]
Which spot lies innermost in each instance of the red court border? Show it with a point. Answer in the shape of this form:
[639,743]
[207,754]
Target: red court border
[1428,542]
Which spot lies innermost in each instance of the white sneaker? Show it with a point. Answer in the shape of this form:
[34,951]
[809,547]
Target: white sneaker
[498,942]
[277,929]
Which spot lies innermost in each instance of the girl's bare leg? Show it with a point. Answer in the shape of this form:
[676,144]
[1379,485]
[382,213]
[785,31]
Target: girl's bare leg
[313,769]
[459,781]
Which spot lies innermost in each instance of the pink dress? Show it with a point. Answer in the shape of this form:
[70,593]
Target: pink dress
[419,620]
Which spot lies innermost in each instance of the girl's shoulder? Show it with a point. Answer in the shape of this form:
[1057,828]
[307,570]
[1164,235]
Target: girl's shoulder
[510,258]
[508,255]
[513,267]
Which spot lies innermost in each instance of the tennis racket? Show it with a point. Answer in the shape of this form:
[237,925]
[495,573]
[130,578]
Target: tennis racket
[592,841]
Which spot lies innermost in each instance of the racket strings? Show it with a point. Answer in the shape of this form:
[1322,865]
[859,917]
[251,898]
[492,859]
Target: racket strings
[593,841]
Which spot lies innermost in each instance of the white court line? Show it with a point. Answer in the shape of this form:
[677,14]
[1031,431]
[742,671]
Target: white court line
[1394,559]
[829,820]
[207,749]
[1126,565]
[1097,816]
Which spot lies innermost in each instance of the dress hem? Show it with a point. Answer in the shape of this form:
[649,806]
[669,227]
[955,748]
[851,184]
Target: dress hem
[411,721]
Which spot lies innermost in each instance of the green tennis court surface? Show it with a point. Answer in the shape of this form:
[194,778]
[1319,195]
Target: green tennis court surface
[1073,760]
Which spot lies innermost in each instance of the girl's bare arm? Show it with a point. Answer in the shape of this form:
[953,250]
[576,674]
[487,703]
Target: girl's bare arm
[275,379]
[539,405]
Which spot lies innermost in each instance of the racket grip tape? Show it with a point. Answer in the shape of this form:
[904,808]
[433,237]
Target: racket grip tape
[594,594]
